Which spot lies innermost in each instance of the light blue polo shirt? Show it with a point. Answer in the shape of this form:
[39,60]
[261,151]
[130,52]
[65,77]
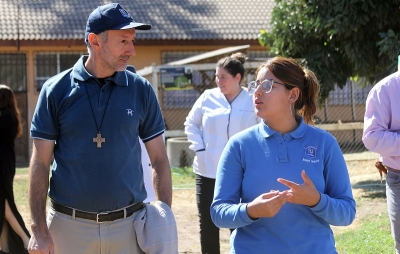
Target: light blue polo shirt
[84,176]
[250,165]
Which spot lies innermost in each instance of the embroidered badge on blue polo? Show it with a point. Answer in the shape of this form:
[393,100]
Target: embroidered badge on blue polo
[310,151]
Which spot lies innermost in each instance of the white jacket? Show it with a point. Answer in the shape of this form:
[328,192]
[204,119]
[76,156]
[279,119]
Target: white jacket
[147,174]
[211,122]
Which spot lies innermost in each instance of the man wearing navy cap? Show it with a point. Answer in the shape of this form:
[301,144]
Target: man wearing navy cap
[90,118]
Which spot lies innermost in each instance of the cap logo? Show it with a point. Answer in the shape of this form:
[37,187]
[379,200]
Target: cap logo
[124,13]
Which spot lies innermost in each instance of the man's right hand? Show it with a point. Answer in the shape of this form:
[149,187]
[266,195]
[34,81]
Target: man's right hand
[41,243]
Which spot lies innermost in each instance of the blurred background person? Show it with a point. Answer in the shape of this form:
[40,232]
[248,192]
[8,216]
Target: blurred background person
[14,237]
[282,183]
[147,174]
[217,115]
[382,135]
[146,164]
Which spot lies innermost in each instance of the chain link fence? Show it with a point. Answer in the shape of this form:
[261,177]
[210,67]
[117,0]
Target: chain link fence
[341,113]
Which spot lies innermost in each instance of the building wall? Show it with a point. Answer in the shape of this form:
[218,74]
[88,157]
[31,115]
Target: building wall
[145,56]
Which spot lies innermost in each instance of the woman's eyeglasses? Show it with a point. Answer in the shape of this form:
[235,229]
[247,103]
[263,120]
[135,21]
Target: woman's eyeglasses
[265,85]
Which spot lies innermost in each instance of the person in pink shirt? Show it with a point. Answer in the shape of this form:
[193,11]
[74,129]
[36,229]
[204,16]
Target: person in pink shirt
[382,135]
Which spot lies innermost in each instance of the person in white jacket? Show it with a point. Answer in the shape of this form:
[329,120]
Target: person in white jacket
[146,164]
[217,115]
[147,174]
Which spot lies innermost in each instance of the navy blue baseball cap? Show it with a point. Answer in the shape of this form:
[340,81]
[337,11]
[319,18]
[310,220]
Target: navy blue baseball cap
[111,17]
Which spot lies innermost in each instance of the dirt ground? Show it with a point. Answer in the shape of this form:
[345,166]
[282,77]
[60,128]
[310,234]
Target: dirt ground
[185,211]
[369,194]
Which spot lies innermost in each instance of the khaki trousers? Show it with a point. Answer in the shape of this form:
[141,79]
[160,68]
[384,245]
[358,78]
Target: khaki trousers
[85,236]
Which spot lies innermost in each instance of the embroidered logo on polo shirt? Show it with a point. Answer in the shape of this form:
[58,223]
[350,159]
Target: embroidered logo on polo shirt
[310,151]
[129,112]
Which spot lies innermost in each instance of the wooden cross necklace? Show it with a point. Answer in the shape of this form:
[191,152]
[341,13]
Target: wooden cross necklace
[99,139]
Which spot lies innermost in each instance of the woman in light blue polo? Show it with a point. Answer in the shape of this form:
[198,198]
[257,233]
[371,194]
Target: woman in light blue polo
[282,183]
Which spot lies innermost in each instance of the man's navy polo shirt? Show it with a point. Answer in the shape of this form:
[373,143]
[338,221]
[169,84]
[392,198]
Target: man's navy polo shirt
[84,176]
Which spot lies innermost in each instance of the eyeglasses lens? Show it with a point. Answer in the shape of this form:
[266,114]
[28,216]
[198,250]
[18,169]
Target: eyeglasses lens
[266,86]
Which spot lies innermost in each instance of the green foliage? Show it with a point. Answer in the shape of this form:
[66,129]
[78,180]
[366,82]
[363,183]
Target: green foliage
[337,39]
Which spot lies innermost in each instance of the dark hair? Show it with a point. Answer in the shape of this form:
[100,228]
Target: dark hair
[233,64]
[8,102]
[292,74]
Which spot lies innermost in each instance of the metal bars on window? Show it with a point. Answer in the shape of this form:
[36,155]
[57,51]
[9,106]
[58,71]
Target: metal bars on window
[13,71]
[49,64]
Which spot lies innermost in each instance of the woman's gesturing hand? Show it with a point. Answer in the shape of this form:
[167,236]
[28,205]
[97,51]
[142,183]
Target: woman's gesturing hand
[303,194]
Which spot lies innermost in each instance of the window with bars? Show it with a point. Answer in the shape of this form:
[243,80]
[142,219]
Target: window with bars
[49,64]
[13,71]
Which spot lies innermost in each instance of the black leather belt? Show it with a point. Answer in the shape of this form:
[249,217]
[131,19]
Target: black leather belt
[98,217]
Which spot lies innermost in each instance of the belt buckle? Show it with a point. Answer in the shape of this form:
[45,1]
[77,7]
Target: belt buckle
[97,217]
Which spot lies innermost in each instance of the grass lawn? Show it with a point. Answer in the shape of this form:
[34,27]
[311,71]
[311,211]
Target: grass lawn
[372,237]
[183,178]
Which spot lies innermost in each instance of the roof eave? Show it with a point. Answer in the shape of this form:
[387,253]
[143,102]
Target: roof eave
[141,42]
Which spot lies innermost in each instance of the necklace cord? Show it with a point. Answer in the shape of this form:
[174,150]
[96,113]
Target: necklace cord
[91,107]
